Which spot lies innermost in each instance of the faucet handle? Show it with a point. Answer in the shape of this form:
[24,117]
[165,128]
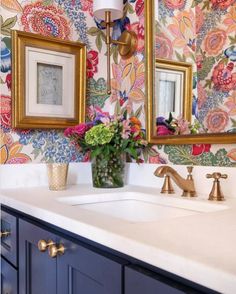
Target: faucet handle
[216,193]
[216,176]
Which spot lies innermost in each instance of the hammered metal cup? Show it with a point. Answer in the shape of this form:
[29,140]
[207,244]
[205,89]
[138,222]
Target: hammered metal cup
[57,176]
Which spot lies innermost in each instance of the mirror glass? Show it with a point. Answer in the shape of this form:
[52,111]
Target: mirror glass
[191,73]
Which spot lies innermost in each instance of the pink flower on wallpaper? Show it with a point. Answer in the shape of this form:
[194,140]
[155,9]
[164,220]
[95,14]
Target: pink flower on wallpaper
[46,20]
[221,4]
[138,28]
[174,4]
[163,47]
[8,81]
[214,42]
[231,103]
[5,111]
[230,19]
[199,61]
[198,149]
[223,77]
[183,30]
[92,63]
[216,120]
[199,18]
[139,8]
[87,5]
[128,81]
[202,95]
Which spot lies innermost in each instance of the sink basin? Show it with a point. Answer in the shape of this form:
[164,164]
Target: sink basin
[140,207]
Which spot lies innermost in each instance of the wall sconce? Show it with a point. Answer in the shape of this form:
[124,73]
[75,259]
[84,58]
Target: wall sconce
[110,10]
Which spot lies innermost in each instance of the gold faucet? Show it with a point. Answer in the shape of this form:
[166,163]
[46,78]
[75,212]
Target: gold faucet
[187,185]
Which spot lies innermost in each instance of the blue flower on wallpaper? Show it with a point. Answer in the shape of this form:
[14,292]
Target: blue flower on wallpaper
[195,106]
[77,17]
[119,27]
[231,53]
[25,137]
[5,58]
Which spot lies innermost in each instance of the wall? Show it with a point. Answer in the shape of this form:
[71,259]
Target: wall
[73,20]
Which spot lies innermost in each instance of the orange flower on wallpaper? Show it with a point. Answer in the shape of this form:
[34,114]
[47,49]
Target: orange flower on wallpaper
[232,154]
[231,103]
[216,120]
[128,80]
[10,151]
[183,29]
[214,42]
[230,19]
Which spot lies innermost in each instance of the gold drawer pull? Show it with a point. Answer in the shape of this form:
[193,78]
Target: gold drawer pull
[4,234]
[43,245]
[55,250]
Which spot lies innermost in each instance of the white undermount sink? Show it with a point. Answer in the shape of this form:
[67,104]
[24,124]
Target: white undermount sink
[141,207]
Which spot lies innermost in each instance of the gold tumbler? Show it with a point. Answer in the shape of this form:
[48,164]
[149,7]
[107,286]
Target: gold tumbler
[57,176]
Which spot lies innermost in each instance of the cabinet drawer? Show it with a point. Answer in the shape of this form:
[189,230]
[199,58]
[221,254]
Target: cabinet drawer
[8,278]
[9,242]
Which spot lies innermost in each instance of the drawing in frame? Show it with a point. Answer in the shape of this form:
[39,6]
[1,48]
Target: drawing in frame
[49,81]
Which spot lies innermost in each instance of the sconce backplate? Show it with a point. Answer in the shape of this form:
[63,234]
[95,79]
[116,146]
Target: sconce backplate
[131,42]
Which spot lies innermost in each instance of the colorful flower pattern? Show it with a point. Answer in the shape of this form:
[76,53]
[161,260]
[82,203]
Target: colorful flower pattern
[204,34]
[46,20]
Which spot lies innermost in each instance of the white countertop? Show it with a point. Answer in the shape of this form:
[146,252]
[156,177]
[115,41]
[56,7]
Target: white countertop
[200,247]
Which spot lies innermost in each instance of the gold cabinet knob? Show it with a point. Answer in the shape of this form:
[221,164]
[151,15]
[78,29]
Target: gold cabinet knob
[4,234]
[43,245]
[55,250]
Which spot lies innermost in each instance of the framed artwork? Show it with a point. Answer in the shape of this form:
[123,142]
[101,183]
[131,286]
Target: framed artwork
[173,92]
[49,81]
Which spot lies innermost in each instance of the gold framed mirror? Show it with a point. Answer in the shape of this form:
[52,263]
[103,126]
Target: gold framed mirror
[206,135]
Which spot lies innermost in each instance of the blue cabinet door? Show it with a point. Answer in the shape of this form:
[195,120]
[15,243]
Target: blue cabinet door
[82,271]
[138,281]
[37,271]
[8,278]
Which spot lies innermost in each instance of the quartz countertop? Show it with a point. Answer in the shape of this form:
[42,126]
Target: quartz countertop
[199,247]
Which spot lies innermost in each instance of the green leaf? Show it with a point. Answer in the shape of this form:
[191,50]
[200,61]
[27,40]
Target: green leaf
[232,40]
[145,155]
[47,2]
[208,84]
[94,31]
[7,25]
[117,108]
[7,41]
[1,20]
[206,5]
[233,122]
[180,57]
[1,81]
[138,111]
[180,154]
[115,55]
[98,42]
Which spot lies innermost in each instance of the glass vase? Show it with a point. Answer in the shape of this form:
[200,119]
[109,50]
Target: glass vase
[108,172]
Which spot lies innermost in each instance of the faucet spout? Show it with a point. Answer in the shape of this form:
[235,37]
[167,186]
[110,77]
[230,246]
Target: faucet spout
[187,185]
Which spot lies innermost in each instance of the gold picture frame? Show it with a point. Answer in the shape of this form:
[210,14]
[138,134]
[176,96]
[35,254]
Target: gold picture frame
[178,75]
[49,81]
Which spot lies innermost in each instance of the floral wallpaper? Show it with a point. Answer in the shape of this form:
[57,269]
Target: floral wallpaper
[198,31]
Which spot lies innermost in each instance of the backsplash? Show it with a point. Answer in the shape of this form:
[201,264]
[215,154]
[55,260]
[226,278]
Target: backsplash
[73,20]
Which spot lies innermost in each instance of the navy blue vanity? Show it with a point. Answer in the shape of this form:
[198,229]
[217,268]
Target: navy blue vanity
[74,265]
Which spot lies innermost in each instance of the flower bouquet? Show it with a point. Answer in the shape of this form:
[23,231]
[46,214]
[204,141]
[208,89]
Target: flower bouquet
[107,140]
[177,126]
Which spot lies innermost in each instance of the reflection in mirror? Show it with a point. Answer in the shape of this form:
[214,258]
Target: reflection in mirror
[173,89]
[171,34]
